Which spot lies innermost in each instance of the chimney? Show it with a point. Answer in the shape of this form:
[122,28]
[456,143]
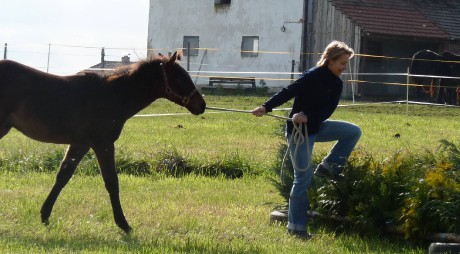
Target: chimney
[102,58]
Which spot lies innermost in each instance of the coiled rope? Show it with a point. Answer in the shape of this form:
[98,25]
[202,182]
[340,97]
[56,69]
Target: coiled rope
[296,136]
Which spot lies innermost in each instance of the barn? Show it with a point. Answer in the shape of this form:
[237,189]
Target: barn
[392,31]
[268,40]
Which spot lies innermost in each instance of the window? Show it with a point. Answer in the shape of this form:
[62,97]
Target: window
[218,2]
[250,46]
[194,42]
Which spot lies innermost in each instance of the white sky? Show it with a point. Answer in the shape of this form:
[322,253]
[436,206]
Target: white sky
[29,26]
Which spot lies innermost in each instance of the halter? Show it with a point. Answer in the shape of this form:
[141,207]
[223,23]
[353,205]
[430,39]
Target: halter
[184,99]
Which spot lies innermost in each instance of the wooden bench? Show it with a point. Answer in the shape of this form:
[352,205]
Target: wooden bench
[239,81]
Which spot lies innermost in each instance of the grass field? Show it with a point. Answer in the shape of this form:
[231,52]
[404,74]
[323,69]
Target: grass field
[197,214]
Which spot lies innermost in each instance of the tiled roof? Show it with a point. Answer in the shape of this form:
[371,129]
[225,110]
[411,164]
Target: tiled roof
[110,65]
[444,13]
[413,18]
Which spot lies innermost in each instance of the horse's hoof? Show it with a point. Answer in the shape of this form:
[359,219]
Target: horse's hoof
[46,222]
[127,230]
[125,227]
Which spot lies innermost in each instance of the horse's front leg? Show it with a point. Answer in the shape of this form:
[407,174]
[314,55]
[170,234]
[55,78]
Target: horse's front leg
[441,96]
[70,162]
[106,157]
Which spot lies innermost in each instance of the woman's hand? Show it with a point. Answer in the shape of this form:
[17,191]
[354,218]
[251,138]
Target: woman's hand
[259,111]
[299,118]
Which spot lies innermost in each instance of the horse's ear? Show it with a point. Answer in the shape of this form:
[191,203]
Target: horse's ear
[180,54]
[173,59]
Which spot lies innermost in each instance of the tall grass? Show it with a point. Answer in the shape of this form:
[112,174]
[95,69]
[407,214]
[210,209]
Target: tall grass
[217,136]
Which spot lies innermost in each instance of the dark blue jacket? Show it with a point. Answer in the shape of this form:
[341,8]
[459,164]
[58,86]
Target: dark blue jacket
[317,94]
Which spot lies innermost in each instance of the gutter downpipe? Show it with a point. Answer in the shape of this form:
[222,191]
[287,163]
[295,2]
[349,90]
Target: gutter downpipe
[307,36]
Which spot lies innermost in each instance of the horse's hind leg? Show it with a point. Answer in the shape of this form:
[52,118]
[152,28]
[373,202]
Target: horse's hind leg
[4,130]
[70,162]
[106,157]
[5,127]
[441,96]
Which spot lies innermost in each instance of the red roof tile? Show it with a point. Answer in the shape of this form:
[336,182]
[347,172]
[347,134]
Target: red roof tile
[444,13]
[390,17]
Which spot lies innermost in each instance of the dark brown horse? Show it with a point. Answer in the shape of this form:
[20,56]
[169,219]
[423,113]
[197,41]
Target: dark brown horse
[88,112]
[450,88]
[425,63]
[429,63]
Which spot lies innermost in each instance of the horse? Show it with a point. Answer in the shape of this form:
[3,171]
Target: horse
[450,89]
[88,111]
[427,62]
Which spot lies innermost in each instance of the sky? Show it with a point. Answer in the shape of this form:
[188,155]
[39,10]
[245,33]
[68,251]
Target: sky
[72,32]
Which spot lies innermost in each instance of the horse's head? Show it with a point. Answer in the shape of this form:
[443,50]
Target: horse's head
[425,62]
[451,66]
[179,87]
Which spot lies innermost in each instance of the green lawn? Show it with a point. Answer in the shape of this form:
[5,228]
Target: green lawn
[196,214]
[169,215]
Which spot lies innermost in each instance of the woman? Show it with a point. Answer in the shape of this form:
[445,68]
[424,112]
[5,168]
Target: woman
[316,96]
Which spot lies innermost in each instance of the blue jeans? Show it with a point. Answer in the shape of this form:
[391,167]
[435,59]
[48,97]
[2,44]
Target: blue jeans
[347,135]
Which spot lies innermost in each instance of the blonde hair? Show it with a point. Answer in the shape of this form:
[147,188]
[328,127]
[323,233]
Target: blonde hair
[333,51]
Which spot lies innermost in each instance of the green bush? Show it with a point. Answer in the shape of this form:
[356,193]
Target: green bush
[433,201]
[416,193]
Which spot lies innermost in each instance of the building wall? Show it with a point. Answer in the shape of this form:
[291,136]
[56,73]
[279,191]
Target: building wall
[330,24]
[220,30]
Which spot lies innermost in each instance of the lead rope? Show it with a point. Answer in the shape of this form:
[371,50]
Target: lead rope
[297,137]
[247,111]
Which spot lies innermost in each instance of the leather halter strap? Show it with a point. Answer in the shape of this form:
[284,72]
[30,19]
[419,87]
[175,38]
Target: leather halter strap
[184,99]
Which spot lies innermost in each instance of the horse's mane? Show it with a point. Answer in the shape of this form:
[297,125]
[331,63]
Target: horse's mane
[426,54]
[451,55]
[128,70]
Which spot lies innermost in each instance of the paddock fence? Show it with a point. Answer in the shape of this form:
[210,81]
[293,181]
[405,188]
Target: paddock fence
[390,85]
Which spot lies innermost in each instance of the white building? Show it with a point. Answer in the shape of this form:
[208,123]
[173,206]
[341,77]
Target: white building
[239,38]
[262,38]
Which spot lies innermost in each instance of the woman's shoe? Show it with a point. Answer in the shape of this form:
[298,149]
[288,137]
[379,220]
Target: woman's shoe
[322,172]
[300,234]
